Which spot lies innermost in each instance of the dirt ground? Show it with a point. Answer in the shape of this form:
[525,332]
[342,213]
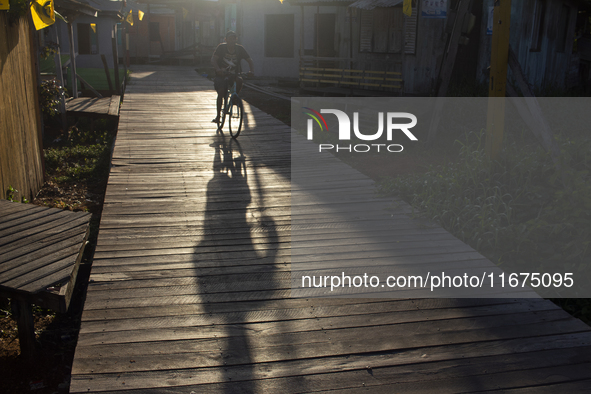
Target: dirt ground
[57,333]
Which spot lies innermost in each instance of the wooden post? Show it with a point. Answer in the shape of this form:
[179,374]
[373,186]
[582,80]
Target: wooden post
[449,57]
[74,87]
[498,77]
[115,59]
[125,38]
[60,77]
[149,38]
[447,66]
[302,26]
[23,314]
[350,10]
[107,73]
[530,111]
[318,34]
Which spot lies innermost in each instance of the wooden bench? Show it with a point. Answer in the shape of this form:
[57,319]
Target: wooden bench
[40,253]
[351,79]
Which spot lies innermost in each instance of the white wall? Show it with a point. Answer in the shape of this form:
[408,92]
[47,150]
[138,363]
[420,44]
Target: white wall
[252,37]
[105,46]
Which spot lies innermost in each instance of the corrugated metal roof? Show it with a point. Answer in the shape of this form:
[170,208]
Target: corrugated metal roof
[371,4]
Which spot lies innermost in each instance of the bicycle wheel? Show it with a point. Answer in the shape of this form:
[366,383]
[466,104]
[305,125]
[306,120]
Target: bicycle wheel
[235,119]
[222,114]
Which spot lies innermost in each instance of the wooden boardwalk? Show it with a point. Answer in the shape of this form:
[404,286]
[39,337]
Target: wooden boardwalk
[92,107]
[190,285]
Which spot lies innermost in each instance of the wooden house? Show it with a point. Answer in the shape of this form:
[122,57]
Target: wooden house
[175,30]
[542,37]
[375,35]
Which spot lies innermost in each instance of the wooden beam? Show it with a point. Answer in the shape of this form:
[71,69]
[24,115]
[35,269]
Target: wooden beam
[93,90]
[107,73]
[447,66]
[449,57]
[23,314]
[115,59]
[498,77]
[60,77]
[531,111]
[74,87]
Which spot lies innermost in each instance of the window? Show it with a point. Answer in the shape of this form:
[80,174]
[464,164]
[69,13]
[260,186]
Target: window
[537,26]
[279,35]
[87,39]
[382,30]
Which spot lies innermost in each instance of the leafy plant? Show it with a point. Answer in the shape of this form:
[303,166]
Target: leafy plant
[11,193]
[49,94]
[49,49]
[83,155]
[18,8]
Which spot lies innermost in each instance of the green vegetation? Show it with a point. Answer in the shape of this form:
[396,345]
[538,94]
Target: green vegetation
[83,156]
[96,77]
[11,195]
[518,209]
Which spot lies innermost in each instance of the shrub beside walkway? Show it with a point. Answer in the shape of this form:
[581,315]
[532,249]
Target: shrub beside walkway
[190,285]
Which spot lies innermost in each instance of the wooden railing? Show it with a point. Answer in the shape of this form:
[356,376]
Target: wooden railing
[340,77]
[342,73]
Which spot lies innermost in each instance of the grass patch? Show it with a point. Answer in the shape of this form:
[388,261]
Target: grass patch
[77,166]
[82,157]
[517,210]
[96,77]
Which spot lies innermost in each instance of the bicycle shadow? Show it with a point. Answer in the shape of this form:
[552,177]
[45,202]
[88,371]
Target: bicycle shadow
[234,260]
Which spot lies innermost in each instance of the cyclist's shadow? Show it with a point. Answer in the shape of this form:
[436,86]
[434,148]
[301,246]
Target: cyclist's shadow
[223,257]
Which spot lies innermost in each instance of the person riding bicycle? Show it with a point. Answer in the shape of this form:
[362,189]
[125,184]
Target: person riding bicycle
[226,60]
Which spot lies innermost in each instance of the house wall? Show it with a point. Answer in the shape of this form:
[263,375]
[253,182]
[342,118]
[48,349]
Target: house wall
[251,30]
[419,69]
[139,36]
[21,155]
[104,27]
[546,68]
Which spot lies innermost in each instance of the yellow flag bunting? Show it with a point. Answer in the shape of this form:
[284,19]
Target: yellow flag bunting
[185,13]
[140,15]
[130,18]
[43,13]
[407,7]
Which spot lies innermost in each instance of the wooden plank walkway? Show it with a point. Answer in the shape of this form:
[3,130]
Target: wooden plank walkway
[190,286]
[93,107]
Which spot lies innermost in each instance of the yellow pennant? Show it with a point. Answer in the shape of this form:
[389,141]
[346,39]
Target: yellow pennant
[140,14]
[4,5]
[43,13]
[130,18]
[185,13]
[407,7]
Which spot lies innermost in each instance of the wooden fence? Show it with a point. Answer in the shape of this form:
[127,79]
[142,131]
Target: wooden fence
[342,73]
[21,152]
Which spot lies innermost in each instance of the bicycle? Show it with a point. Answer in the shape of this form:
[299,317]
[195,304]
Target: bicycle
[233,107]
